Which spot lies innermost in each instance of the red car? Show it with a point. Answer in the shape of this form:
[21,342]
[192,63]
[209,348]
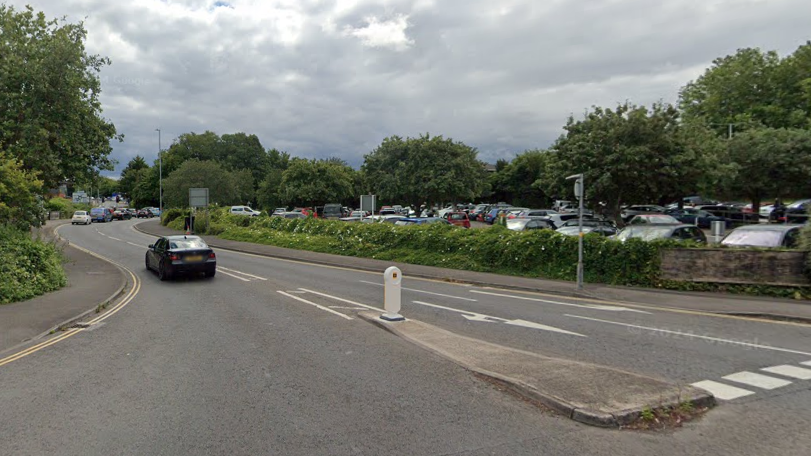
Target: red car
[458,219]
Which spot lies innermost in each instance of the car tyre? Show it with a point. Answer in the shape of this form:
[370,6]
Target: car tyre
[162,275]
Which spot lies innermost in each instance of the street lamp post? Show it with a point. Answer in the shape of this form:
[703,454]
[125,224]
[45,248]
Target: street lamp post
[578,192]
[160,173]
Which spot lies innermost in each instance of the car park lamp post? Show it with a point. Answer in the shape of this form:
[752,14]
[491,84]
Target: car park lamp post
[160,173]
[578,193]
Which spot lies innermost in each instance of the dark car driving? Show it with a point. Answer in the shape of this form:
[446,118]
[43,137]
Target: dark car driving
[174,255]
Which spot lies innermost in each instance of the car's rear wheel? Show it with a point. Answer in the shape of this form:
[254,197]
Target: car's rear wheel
[162,274]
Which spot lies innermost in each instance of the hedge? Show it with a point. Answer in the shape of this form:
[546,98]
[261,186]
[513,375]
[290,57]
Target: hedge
[28,267]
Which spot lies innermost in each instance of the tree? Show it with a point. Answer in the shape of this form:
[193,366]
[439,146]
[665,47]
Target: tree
[191,146]
[221,184]
[515,182]
[629,155]
[770,163]
[752,89]
[315,182]
[147,189]
[131,174]
[19,188]
[49,90]
[240,151]
[424,169]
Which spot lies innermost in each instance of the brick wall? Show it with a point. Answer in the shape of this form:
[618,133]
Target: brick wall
[735,266]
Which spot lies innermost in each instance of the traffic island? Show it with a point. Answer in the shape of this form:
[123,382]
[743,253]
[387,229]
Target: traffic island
[587,393]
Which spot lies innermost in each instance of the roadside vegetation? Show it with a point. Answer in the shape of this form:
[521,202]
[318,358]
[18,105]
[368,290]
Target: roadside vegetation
[28,267]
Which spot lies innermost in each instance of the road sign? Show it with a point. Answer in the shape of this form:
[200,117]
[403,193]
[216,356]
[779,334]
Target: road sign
[198,197]
[367,203]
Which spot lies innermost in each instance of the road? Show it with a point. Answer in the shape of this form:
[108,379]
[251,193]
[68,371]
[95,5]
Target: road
[269,357]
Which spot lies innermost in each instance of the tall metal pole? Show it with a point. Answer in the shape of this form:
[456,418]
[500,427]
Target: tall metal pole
[160,173]
[730,131]
[580,236]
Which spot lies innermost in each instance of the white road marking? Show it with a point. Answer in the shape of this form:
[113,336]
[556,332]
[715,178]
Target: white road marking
[136,245]
[347,308]
[722,391]
[113,238]
[342,300]
[475,316]
[243,273]
[582,306]
[758,380]
[789,371]
[806,363]
[423,291]
[737,343]
[234,276]
[316,305]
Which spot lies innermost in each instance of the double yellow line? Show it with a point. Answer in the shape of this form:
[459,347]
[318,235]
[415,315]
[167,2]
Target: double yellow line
[73,331]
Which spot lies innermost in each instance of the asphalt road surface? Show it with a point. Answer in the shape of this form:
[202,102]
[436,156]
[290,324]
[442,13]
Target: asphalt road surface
[269,357]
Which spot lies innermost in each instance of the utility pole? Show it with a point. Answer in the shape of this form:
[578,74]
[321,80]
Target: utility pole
[579,188]
[160,173]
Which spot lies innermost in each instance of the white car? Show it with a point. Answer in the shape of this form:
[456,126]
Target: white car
[244,210]
[766,211]
[80,217]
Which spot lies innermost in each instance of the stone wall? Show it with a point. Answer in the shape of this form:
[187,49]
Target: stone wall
[744,266]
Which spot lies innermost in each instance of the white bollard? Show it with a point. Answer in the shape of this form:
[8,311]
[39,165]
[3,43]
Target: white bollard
[391,294]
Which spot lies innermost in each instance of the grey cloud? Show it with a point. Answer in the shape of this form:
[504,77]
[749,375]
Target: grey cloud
[500,76]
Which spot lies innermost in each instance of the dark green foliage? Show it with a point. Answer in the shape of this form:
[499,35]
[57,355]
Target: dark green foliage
[28,267]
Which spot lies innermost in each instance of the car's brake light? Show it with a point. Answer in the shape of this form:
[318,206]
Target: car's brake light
[173,257]
[211,255]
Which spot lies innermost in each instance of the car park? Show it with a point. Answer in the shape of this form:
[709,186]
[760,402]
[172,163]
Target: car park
[525,224]
[170,256]
[537,213]
[650,232]
[786,236]
[458,219]
[558,220]
[279,210]
[421,221]
[100,215]
[652,219]
[590,225]
[80,218]
[293,215]
[698,217]
[796,212]
[629,212]
[244,210]
[732,213]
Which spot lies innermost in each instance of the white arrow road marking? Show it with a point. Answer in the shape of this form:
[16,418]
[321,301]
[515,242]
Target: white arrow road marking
[582,306]
[475,316]
[736,343]
[423,291]
[242,273]
[315,305]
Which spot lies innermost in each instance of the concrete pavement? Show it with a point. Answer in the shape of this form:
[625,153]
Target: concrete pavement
[707,302]
[91,281]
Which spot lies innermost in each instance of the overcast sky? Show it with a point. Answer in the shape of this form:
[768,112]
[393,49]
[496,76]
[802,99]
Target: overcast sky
[333,78]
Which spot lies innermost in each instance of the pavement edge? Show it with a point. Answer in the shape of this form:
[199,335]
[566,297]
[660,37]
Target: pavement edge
[521,389]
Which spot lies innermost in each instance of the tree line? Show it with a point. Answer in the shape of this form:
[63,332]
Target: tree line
[742,130]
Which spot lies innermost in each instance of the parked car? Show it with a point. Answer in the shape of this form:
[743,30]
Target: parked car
[490,217]
[244,210]
[156,212]
[385,210]
[766,211]
[514,212]
[293,215]
[100,215]
[458,219]
[144,213]
[524,224]
[537,213]
[80,218]
[650,232]
[121,215]
[279,210]
[690,215]
[796,212]
[591,225]
[732,212]
[652,219]
[763,236]
[179,254]
[629,212]
[558,220]
[421,221]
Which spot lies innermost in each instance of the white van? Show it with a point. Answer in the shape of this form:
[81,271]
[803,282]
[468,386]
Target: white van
[244,210]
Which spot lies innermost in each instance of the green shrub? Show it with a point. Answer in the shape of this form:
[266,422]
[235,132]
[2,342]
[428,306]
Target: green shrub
[170,215]
[28,267]
[65,207]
